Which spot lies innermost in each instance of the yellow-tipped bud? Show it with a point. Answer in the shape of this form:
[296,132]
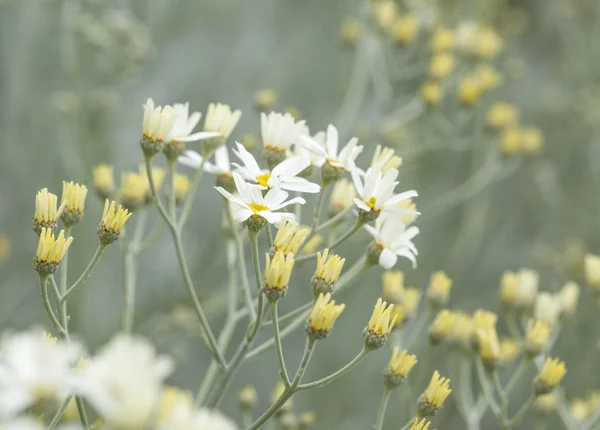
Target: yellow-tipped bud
[112,222]
[420,425]
[157,124]
[324,314]
[488,77]
[462,330]
[509,288]
[532,140]
[133,190]
[592,272]
[408,218]
[313,244]
[441,65]
[393,285]
[489,346]
[247,398]
[550,376]
[569,297]
[470,90]
[510,140]
[502,114]
[405,29]
[50,251]
[277,275]
[306,420]
[528,287]
[510,349]
[442,40]
[386,158]
[182,187]
[536,336]
[73,197]
[384,13]
[351,31]
[327,273]
[434,396]
[439,288]
[545,403]
[47,212]
[410,300]
[484,319]
[342,197]
[432,92]
[265,99]
[380,325]
[104,182]
[288,238]
[487,44]
[399,367]
[578,408]
[441,326]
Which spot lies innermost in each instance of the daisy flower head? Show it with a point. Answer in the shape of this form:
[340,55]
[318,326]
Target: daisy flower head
[34,368]
[316,159]
[333,163]
[220,119]
[47,212]
[221,167]
[157,125]
[377,193]
[279,132]
[257,210]
[283,175]
[182,129]
[391,239]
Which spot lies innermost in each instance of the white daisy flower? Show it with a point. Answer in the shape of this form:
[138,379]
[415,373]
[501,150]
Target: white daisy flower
[316,159]
[220,118]
[283,175]
[280,131]
[33,367]
[343,159]
[252,202]
[394,240]
[124,381]
[548,308]
[377,192]
[158,122]
[184,125]
[221,165]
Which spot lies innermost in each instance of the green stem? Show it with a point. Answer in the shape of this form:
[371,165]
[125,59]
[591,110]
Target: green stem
[256,259]
[328,379]
[487,392]
[501,393]
[288,392]
[63,313]
[513,325]
[338,242]
[318,205]
[129,281]
[382,409]
[204,325]
[82,414]
[172,167]
[270,343]
[85,275]
[46,300]
[59,413]
[517,418]
[408,424]
[239,244]
[187,206]
[269,235]
[516,376]
[335,219]
[278,347]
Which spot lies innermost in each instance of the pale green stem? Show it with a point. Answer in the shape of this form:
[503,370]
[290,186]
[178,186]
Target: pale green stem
[516,376]
[501,392]
[513,325]
[269,235]
[130,271]
[289,329]
[59,414]
[187,206]
[56,291]
[421,323]
[338,242]
[256,260]
[408,424]
[204,325]
[382,409]
[246,418]
[46,300]
[318,205]
[282,369]
[172,168]
[409,402]
[334,219]
[519,415]
[288,392]
[239,244]
[289,316]
[151,237]
[592,420]
[85,275]
[328,379]
[63,312]
[487,392]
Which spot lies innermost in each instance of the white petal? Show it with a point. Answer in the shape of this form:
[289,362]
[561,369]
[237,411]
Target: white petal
[402,196]
[291,166]
[187,161]
[301,185]
[387,259]
[199,136]
[274,198]
[248,159]
[222,159]
[231,197]
[373,232]
[242,215]
[362,205]
[357,181]
[290,202]
[332,141]
[407,254]
[242,187]
[312,145]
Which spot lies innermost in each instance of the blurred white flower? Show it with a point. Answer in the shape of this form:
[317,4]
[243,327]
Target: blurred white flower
[547,308]
[316,158]
[283,175]
[528,281]
[184,125]
[393,240]
[124,381]
[27,423]
[569,295]
[252,202]
[329,153]
[33,367]
[221,165]
[221,119]
[280,131]
[184,417]
[377,192]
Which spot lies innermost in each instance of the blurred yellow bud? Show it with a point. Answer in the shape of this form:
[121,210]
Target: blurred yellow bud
[441,65]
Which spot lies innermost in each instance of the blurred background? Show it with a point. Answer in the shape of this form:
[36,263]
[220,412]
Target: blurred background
[496,193]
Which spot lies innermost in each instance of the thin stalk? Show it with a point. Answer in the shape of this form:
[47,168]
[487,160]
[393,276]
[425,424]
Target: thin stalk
[85,275]
[59,414]
[62,310]
[519,415]
[269,235]
[278,347]
[487,392]
[516,376]
[513,325]
[46,300]
[382,409]
[501,392]
[256,259]
[318,206]
[338,242]
[129,281]
[328,379]
[189,201]
[172,167]
[239,245]
[408,424]
[334,219]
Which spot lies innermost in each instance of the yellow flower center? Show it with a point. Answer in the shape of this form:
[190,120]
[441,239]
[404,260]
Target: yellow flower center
[255,207]
[371,202]
[263,179]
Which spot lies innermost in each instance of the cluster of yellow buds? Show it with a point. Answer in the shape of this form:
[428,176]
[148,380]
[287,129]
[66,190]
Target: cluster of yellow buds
[461,333]
[439,288]
[399,367]
[405,29]
[265,99]
[380,325]
[519,290]
[442,65]
[384,13]
[489,346]
[50,251]
[550,376]
[47,213]
[434,396]
[278,271]
[516,140]
[104,182]
[112,222]
[289,238]
[73,198]
[324,314]
[405,299]
[536,336]
[327,272]
[501,115]
[134,191]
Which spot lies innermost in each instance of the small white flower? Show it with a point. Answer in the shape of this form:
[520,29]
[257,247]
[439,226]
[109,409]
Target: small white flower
[33,367]
[547,308]
[158,121]
[220,118]
[528,281]
[221,165]
[251,201]
[124,381]
[184,125]
[569,295]
[185,417]
[395,239]
[284,175]
[316,159]
[280,131]
[377,192]
[329,153]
